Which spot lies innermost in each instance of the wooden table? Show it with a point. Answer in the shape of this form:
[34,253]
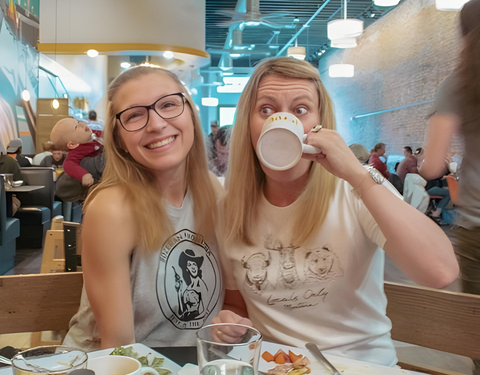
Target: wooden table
[21,189]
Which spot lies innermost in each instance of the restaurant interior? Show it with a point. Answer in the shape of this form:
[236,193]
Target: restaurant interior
[381,61]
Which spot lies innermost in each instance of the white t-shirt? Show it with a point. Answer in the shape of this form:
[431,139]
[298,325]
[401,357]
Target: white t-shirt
[175,290]
[328,291]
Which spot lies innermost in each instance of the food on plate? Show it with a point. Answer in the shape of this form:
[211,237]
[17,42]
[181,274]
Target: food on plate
[156,363]
[291,363]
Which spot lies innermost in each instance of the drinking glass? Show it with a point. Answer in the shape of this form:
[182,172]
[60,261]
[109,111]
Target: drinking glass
[49,360]
[8,180]
[219,354]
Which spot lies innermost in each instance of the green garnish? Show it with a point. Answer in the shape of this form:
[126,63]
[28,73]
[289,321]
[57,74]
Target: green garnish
[156,364]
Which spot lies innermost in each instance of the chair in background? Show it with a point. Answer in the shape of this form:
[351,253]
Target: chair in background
[62,249]
[452,188]
[38,207]
[35,303]
[9,231]
[435,319]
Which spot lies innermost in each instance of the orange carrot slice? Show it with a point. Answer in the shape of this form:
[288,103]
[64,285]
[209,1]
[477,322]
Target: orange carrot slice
[280,359]
[268,357]
[294,357]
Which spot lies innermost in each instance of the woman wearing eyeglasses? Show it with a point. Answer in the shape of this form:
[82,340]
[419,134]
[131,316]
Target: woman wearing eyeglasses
[148,226]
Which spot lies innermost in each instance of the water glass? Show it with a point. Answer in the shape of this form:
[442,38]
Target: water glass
[220,354]
[8,180]
[51,360]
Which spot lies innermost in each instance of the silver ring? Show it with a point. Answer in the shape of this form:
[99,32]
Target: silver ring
[317,128]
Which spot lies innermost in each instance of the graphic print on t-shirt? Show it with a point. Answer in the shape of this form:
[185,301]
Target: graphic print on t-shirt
[290,276]
[257,272]
[187,282]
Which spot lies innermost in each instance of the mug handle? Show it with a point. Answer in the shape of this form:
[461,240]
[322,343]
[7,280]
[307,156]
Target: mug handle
[148,371]
[309,149]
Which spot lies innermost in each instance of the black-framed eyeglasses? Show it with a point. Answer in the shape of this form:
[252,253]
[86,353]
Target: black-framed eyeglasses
[167,107]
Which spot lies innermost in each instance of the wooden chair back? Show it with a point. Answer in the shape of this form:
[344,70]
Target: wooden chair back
[43,302]
[53,259]
[435,319]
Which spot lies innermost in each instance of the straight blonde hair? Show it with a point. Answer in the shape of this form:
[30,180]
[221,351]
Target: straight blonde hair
[143,197]
[245,176]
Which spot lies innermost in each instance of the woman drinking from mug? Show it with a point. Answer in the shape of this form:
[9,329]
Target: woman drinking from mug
[303,256]
[149,219]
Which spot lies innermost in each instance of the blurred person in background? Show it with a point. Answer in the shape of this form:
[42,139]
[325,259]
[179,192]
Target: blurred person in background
[46,146]
[376,162]
[222,145]
[457,110]
[93,122]
[14,150]
[407,165]
[360,152]
[55,160]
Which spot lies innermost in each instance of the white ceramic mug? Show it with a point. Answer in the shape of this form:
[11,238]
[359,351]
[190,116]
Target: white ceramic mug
[280,145]
[118,365]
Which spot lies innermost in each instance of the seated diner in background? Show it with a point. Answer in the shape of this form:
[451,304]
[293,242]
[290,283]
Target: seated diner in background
[302,248]
[150,259]
[408,164]
[376,162]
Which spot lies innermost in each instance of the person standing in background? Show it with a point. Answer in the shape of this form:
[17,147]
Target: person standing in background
[407,165]
[376,162]
[14,150]
[457,110]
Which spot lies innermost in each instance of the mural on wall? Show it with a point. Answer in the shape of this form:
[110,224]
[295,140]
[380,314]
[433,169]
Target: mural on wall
[18,70]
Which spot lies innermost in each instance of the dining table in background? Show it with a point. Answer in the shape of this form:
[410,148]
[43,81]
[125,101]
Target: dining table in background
[20,189]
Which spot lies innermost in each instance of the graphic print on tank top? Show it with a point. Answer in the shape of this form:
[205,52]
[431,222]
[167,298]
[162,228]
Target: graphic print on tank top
[290,276]
[188,281]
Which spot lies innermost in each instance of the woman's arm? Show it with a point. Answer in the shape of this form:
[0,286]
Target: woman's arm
[441,129]
[419,247]
[234,311]
[108,240]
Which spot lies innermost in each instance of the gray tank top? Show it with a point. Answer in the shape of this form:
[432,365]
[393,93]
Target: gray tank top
[175,290]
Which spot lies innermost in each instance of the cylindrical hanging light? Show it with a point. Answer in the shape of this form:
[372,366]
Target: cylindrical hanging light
[450,5]
[344,43]
[386,3]
[298,53]
[346,28]
[341,70]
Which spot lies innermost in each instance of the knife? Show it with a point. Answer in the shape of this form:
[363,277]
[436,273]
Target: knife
[312,348]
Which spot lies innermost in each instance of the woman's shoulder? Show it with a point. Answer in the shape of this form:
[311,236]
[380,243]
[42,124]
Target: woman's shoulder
[111,204]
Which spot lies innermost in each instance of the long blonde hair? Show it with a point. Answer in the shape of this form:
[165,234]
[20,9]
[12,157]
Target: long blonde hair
[153,224]
[245,177]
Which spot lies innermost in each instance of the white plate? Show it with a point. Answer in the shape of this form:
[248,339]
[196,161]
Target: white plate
[141,349]
[345,366]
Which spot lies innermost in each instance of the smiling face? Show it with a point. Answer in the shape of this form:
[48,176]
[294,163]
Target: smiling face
[280,94]
[193,268]
[162,145]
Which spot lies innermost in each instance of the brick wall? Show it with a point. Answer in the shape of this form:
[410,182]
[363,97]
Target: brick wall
[399,60]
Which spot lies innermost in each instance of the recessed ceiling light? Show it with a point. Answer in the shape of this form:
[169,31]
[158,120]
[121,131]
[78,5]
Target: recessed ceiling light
[125,65]
[168,54]
[92,53]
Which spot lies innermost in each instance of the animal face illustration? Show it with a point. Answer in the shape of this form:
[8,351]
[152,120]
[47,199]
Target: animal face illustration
[256,266]
[322,264]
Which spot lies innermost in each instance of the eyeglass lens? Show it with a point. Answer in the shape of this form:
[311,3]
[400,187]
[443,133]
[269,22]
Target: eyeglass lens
[137,117]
